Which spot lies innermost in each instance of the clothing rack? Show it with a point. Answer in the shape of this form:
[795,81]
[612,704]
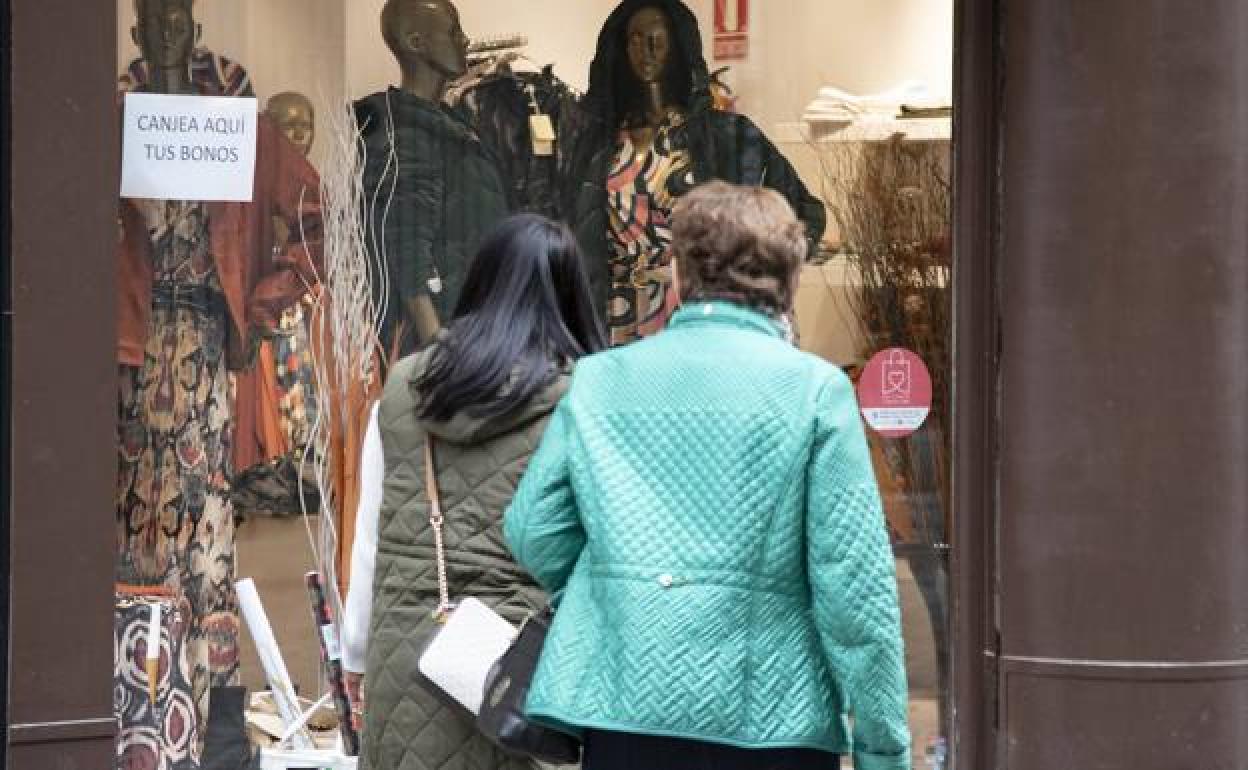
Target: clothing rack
[490,45]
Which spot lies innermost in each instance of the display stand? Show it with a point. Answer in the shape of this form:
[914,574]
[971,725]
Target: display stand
[298,759]
[284,757]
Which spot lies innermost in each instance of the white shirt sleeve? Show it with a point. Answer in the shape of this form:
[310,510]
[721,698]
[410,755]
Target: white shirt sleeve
[359,607]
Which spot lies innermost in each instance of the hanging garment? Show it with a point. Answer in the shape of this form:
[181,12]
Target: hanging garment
[211,75]
[197,283]
[175,521]
[499,106]
[258,286]
[433,193]
[639,202]
[160,734]
[281,387]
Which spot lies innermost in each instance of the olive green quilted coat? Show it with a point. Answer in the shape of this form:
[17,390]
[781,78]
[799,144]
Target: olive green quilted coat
[479,463]
[704,500]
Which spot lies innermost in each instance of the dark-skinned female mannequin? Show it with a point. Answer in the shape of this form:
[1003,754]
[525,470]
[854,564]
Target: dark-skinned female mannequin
[646,133]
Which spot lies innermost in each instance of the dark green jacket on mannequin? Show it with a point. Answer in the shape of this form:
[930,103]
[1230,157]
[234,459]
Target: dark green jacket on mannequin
[723,145]
[479,462]
[433,192]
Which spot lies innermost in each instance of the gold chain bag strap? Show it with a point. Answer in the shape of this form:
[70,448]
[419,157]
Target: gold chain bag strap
[470,636]
[436,521]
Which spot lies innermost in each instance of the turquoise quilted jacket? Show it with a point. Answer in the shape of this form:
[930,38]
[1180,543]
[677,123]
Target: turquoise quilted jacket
[704,503]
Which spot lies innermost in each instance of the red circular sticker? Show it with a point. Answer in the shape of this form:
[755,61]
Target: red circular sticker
[895,393]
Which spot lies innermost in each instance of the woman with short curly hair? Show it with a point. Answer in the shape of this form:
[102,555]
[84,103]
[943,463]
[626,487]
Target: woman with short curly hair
[738,244]
[703,504]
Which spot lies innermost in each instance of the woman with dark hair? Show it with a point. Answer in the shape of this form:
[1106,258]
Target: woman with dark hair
[481,395]
[705,502]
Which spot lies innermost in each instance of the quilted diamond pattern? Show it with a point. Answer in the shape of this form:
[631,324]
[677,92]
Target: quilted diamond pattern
[705,500]
[407,727]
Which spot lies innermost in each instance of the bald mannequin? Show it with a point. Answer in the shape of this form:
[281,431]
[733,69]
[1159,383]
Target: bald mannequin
[426,39]
[166,33]
[428,42]
[296,117]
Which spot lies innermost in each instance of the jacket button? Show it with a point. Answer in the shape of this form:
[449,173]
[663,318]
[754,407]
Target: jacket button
[666,580]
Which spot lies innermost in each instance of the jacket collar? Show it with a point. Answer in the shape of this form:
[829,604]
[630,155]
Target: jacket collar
[719,312]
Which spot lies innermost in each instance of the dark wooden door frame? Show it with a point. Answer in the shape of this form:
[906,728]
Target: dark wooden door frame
[62,244]
[6,367]
[978,84]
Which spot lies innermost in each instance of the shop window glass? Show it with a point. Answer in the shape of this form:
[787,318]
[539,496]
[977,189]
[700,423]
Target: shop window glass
[250,352]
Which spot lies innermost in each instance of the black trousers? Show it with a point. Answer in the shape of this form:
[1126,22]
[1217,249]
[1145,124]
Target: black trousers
[625,751]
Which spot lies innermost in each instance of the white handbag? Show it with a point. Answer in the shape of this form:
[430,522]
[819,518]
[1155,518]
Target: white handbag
[473,637]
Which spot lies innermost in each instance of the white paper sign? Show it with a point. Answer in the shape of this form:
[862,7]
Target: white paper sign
[194,148]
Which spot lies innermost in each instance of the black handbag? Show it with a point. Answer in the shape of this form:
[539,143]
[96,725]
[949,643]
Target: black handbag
[502,717]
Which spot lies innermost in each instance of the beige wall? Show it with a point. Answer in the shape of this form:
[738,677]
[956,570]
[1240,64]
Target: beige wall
[861,46]
[286,45]
[796,46]
[332,49]
[326,48]
[560,32]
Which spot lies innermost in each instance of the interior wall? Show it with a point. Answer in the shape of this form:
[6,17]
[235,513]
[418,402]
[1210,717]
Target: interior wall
[299,45]
[286,45]
[560,32]
[858,45]
[329,49]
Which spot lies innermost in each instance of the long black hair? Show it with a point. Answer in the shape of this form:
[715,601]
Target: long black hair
[524,312]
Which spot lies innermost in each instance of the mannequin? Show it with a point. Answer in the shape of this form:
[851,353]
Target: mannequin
[647,132]
[429,211]
[431,48]
[199,286]
[649,54]
[295,118]
[166,33]
[428,42]
[279,391]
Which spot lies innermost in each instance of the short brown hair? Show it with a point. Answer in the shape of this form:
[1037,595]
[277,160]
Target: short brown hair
[740,244]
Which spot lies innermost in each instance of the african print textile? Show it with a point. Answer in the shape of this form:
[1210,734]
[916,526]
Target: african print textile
[175,523]
[296,377]
[211,75]
[158,734]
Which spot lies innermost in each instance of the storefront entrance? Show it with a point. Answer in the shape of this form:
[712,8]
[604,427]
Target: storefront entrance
[1091,574]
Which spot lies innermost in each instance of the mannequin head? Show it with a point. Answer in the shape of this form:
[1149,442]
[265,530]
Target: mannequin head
[165,32]
[650,44]
[651,73]
[294,115]
[425,37]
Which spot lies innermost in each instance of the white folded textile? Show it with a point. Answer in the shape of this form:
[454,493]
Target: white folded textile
[832,104]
